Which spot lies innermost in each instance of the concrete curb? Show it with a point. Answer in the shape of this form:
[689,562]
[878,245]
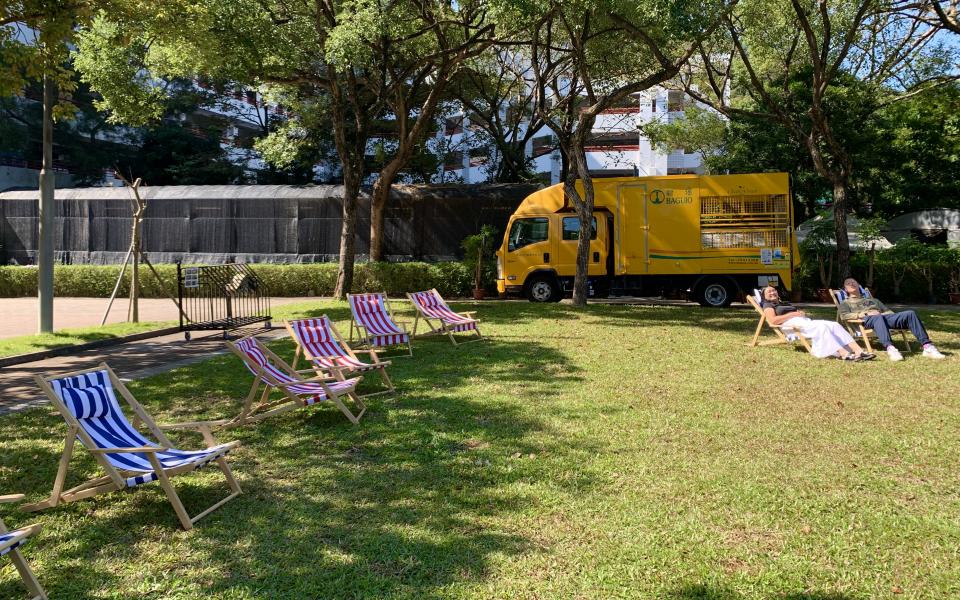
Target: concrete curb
[19,359]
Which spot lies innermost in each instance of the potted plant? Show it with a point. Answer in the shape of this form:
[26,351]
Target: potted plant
[475,255]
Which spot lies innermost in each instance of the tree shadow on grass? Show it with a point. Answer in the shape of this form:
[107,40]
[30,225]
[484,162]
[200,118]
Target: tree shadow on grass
[406,504]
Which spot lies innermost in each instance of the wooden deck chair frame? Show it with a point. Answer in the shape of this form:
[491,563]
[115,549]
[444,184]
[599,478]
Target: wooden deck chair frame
[23,567]
[442,328]
[780,331]
[115,480]
[250,413]
[364,339]
[351,352]
[858,328]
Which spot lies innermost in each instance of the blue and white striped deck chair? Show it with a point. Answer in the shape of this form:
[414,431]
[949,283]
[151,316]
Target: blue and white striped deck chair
[785,335]
[88,402]
[856,327]
[10,542]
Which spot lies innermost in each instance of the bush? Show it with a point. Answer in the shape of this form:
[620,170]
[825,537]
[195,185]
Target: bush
[319,279]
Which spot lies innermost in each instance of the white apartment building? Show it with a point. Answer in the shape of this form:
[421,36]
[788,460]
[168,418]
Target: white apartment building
[618,148]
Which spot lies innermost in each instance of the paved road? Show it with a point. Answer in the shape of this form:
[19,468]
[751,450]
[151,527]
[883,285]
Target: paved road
[20,314]
[134,360]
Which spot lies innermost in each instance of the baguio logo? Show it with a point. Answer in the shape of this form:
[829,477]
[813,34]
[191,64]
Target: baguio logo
[657,197]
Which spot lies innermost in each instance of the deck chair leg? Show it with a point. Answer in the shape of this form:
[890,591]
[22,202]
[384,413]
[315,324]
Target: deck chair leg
[228,475]
[756,335]
[906,341]
[416,321]
[346,411]
[26,574]
[866,339]
[172,496]
[386,378]
[450,335]
[57,494]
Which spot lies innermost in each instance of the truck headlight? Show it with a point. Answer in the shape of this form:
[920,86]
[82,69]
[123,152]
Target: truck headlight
[499,268]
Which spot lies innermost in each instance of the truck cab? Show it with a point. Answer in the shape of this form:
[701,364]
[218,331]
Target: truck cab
[539,256]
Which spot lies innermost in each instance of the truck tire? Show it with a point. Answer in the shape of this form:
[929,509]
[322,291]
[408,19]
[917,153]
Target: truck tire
[716,293]
[543,288]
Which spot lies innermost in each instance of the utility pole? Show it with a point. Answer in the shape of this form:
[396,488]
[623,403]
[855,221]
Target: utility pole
[46,212]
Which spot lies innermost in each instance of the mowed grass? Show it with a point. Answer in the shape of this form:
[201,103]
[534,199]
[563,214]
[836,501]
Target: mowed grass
[68,337]
[611,452]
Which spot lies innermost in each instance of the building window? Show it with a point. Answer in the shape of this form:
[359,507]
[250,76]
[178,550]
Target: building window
[653,105]
[478,156]
[251,97]
[542,145]
[453,161]
[453,125]
[675,101]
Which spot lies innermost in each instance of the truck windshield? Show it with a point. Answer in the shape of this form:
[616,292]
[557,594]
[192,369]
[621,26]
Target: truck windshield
[527,231]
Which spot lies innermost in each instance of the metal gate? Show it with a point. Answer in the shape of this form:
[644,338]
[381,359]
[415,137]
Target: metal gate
[221,297]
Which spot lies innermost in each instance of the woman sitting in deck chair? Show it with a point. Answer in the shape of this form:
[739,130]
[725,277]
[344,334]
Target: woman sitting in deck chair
[827,338]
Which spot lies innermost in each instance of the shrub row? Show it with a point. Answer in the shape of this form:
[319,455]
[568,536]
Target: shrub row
[451,279]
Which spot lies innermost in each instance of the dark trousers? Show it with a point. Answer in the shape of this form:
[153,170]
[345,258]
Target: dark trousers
[882,324]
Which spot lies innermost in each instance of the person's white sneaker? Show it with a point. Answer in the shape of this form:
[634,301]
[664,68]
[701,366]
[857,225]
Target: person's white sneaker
[893,354]
[930,351]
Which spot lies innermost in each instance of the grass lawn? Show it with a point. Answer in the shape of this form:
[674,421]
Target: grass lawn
[69,337]
[613,452]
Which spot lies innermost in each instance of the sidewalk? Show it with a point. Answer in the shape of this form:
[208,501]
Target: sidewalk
[133,360]
[20,314]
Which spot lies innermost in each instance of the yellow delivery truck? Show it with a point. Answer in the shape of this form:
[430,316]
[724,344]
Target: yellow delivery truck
[710,236]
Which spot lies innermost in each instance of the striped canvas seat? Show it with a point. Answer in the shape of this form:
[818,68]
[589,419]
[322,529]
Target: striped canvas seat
[320,344]
[91,399]
[90,403]
[10,543]
[272,373]
[432,306]
[371,314]
[12,540]
[311,391]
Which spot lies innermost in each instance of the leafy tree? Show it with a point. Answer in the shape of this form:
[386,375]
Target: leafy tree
[700,130]
[588,56]
[771,45]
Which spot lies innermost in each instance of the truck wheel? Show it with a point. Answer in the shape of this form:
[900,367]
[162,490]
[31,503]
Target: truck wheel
[715,293]
[543,289]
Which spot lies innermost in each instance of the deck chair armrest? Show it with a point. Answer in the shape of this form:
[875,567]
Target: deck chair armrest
[144,449]
[12,498]
[192,424]
[317,379]
[469,313]
[315,369]
[855,321]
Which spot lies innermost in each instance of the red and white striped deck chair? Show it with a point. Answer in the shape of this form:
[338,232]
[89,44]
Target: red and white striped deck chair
[374,322]
[272,373]
[319,342]
[431,307]
[10,542]
[88,402]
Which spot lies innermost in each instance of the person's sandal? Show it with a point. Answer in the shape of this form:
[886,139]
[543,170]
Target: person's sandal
[866,356]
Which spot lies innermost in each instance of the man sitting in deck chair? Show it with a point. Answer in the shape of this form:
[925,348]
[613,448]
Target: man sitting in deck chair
[881,320]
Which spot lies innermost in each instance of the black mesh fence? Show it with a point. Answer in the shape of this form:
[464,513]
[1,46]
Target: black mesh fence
[225,224]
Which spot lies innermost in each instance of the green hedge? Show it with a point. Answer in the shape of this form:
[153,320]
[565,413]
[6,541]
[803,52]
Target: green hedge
[451,279]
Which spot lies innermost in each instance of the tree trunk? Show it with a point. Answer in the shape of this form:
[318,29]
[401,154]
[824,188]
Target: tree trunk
[584,207]
[873,261]
[840,189]
[348,236]
[378,206]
